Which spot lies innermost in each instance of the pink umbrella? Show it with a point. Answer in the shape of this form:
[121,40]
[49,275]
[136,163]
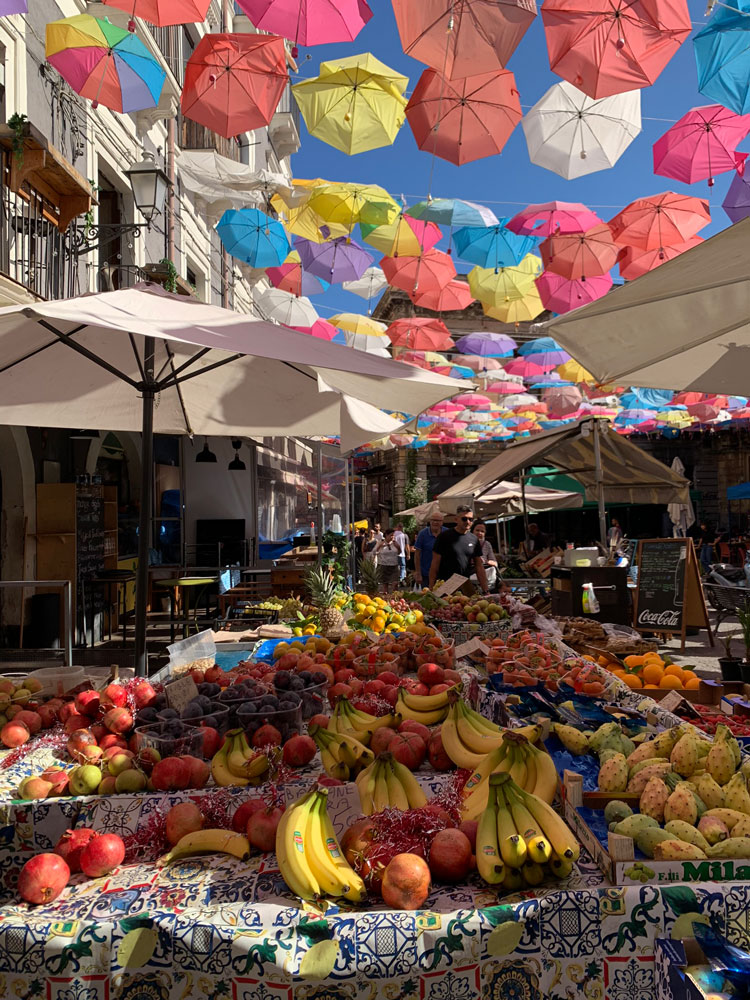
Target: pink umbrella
[309,22]
[503,388]
[524,368]
[456,296]
[553,217]
[562,400]
[634,262]
[659,221]
[560,295]
[580,255]
[322,330]
[478,363]
[420,334]
[427,272]
[446,406]
[606,47]
[473,401]
[704,411]
[701,144]
[414,358]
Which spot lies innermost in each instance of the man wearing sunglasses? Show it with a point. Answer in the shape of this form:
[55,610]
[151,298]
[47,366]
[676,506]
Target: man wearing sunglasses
[457,550]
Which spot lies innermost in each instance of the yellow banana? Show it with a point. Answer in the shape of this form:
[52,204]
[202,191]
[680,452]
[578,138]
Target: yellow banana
[366,788]
[560,867]
[318,858]
[518,767]
[397,797]
[236,758]
[414,791]
[257,766]
[221,773]
[490,763]
[429,702]
[291,849]
[478,721]
[513,880]
[554,827]
[512,844]
[356,891]
[426,718]
[474,804]
[533,873]
[545,787]
[456,750]
[530,762]
[209,841]
[472,739]
[381,800]
[523,821]
[489,862]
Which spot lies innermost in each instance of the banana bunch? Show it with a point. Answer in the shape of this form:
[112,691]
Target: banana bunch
[518,835]
[236,763]
[388,784]
[425,708]
[532,769]
[310,858]
[468,737]
[342,756]
[346,720]
[209,842]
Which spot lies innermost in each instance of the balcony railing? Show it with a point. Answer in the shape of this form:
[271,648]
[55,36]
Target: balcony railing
[195,136]
[32,249]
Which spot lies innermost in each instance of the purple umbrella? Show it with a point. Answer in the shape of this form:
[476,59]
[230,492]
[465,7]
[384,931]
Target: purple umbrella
[13,7]
[334,261]
[487,345]
[737,201]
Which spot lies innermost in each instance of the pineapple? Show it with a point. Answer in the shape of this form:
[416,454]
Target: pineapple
[370,577]
[322,593]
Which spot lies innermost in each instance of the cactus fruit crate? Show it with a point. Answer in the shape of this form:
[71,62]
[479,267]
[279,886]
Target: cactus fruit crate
[620,860]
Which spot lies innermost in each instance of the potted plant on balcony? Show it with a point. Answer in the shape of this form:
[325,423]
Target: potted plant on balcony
[731,666]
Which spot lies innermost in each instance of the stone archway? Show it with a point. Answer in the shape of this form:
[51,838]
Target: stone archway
[17,517]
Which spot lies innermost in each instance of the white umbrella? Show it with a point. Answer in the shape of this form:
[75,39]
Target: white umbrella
[372,282]
[217,179]
[572,134]
[368,343]
[682,515]
[283,307]
[104,360]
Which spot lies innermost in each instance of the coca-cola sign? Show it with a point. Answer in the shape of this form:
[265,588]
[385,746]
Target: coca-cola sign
[661,584]
[657,619]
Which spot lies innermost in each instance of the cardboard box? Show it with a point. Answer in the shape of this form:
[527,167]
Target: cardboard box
[671,958]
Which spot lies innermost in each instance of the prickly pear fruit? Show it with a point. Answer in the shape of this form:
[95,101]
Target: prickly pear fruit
[633,825]
[703,747]
[736,795]
[645,751]
[607,737]
[613,775]
[605,755]
[653,799]
[724,734]
[639,782]
[681,805]
[720,762]
[734,847]
[711,793]
[648,839]
[745,768]
[677,850]
[572,739]
[714,830]
[616,811]
[665,742]
[626,745]
[729,817]
[637,768]
[688,833]
[684,756]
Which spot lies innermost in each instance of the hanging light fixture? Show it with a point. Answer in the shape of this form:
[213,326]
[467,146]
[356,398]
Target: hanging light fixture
[205,455]
[237,465]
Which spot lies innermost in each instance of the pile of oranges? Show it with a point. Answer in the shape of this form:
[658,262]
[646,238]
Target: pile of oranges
[653,671]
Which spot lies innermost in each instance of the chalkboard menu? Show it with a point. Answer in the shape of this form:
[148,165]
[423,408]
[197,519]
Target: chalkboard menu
[662,565]
[89,550]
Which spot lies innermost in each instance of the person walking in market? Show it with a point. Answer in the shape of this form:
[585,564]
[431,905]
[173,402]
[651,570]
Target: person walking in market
[479,528]
[423,548]
[388,552]
[458,551]
[402,540]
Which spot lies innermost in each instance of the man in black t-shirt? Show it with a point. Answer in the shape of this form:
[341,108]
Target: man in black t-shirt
[458,551]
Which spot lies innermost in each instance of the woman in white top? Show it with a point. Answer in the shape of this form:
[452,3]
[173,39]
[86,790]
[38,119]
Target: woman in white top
[388,552]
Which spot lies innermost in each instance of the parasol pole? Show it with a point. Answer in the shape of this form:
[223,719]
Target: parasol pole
[319,511]
[523,503]
[497,533]
[144,519]
[349,529]
[599,473]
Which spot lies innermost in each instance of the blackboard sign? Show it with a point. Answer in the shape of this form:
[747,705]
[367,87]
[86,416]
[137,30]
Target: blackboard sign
[89,552]
[669,597]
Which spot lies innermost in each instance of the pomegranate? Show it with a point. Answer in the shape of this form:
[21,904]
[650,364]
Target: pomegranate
[337,691]
[115,694]
[267,735]
[329,782]
[389,678]
[43,878]
[357,838]
[14,734]
[32,720]
[469,828]
[143,694]
[212,741]
[390,694]
[87,703]
[199,771]
[182,819]
[440,813]
[408,749]
[111,740]
[146,758]
[70,845]
[75,721]
[118,720]
[374,686]
[410,726]
[299,751]
[319,720]
[450,856]
[170,774]
[79,739]
[406,882]
[197,675]
[213,674]
[437,754]
[48,716]
[102,855]
[343,675]
[245,811]
[380,741]
[65,711]
[430,674]
[261,828]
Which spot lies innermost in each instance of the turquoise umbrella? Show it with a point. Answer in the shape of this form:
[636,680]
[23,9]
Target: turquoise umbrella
[722,55]
[252,237]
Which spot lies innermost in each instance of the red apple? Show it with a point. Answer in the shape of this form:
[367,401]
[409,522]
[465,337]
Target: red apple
[388,678]
[87,703]
[199,771]
[430,673]
[115,694]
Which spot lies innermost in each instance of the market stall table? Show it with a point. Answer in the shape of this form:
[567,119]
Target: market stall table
[179,593]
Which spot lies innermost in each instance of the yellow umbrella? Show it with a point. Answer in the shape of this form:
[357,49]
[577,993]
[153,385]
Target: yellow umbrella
[497,287]
[517,310]
[396,238]
[354,104]
[299,219]
[355,323]
[571,371]
[345,204]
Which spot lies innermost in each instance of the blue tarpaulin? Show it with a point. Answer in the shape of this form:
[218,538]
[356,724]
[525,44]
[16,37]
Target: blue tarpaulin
[739,492]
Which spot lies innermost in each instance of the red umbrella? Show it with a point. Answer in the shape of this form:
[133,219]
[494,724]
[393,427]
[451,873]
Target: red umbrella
[635,262]
[553,217]
[578,255]
[702,143]
[233,83]
[162,12]
[463,37]
[659,221]
[560,294]
[309,22]
[420,334]
[606,47]
[456,296]
[429,272]
[467,119]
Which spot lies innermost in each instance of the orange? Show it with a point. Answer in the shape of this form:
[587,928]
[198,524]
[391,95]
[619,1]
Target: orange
[652,672]
[674,669]
[693,684]
[633,661]
[619,672]
[670,681]
[650,686]
[603,661]
[688,675]
[633,681]
[653,658]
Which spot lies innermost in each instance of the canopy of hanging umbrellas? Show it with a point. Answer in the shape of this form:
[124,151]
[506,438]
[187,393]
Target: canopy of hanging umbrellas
[550,257]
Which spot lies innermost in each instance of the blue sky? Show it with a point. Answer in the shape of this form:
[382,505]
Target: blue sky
[509,181]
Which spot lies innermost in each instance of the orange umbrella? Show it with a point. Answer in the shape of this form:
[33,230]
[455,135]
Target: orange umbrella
[634,262]
[660,221]
[464,120]
[455,296]
[420,334]
[578,255]
[428,272]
